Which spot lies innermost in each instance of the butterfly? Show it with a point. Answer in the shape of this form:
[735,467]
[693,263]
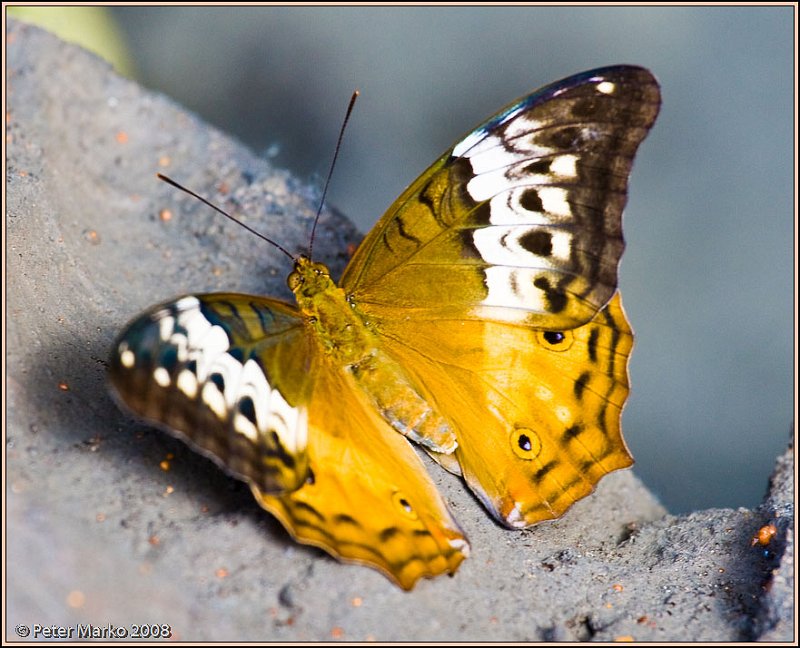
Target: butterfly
[479,319]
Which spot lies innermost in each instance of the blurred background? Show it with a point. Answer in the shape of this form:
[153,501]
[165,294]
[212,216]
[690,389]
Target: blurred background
[708,273]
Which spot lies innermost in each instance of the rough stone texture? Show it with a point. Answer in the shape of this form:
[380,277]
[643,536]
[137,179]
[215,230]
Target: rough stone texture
[775,619]
[99,533]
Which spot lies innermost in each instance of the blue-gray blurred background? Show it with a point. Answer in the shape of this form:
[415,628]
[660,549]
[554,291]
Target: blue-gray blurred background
[709,269]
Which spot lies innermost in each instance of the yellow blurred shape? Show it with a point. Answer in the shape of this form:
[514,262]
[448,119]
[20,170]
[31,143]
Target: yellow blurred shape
[93,28]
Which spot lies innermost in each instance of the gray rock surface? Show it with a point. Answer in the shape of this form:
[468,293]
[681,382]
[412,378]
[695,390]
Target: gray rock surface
[99,532]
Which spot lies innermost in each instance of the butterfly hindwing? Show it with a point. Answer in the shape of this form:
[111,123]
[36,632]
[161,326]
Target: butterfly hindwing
[369,498]
[521,220]
[537,413]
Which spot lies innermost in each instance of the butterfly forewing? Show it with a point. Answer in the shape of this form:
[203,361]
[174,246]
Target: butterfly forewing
[226,373]
[521,220]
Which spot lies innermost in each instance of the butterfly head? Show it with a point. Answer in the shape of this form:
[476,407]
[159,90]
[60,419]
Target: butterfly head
[309,278]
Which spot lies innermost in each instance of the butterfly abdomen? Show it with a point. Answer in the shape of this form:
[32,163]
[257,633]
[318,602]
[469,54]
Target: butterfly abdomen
[178,366]
[401,404]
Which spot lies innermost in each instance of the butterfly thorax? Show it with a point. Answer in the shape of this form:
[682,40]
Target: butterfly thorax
[337,325]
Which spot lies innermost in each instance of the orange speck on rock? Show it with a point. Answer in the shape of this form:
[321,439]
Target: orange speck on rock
[764,535]
[221,573]
[154,540]
[63,386]
[164,465]
[100,517]
[76,599]
[164,161]
[617,587]
[337,632]
[357,601]
[122,137]
[165,215]
[642,619]
[626,638]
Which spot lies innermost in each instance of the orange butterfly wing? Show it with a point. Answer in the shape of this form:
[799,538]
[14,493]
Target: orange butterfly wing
[245,382]
[537,414]
[512,236]
[369,499]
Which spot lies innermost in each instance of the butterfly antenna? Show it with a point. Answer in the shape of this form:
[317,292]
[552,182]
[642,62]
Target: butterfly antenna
[330,173]
[224,213]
